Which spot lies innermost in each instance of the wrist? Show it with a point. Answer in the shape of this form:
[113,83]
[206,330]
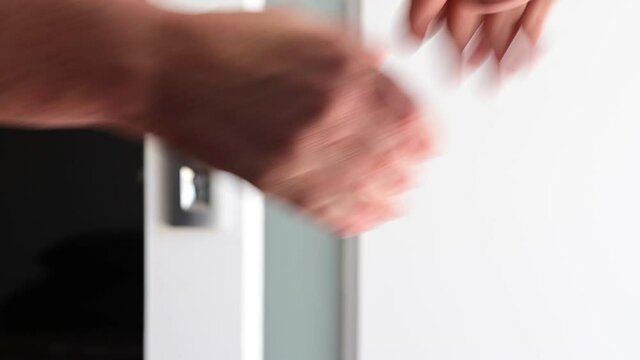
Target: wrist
[180,66]
[135,69]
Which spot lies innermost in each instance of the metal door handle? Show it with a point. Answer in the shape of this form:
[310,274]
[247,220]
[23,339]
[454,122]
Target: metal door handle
[191,195]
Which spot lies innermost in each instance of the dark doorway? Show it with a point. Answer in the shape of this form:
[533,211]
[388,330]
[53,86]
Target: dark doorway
[71,246]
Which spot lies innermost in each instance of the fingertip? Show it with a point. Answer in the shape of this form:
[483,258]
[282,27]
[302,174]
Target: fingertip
[418,30]
[418,23]
[535,17]
[423,15]
[351,229]
[480,54]
[518,54]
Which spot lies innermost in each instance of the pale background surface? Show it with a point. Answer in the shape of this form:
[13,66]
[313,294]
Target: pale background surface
[524,240]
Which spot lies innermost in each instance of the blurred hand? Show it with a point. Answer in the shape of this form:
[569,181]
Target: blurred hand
[497,22]
[294,107]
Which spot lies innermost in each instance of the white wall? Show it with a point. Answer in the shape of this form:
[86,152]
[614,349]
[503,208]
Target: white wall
[524,239]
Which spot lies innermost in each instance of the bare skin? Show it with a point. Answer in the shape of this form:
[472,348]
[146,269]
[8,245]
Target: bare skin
[306,115]
[288,103]
[497,22]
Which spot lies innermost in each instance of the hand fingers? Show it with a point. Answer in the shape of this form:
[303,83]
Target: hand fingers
[481,52]
[499,22]
[422,14]
[502,28]
[387,182]
[392,98]
[463,22]
[365,220]
[352,216]
[363,193]
[330,171]
[388,147]
[534,18]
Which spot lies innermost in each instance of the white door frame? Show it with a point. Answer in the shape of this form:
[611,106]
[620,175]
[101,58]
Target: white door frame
[204,285]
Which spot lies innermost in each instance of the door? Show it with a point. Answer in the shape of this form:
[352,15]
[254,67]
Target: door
[230,276]
[522,241]
[72,253]
[71,246]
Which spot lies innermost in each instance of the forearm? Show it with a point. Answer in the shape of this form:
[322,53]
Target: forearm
[70,63]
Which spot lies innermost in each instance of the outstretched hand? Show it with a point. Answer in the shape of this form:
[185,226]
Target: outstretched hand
[295,107]
[497,24]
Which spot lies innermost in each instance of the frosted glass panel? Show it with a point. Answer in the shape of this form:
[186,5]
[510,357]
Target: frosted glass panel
[303,297]
[302,294]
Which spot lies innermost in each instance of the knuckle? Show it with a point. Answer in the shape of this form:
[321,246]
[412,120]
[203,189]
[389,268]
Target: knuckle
[394,98]
[323,52]
[303,201]
[311,198]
